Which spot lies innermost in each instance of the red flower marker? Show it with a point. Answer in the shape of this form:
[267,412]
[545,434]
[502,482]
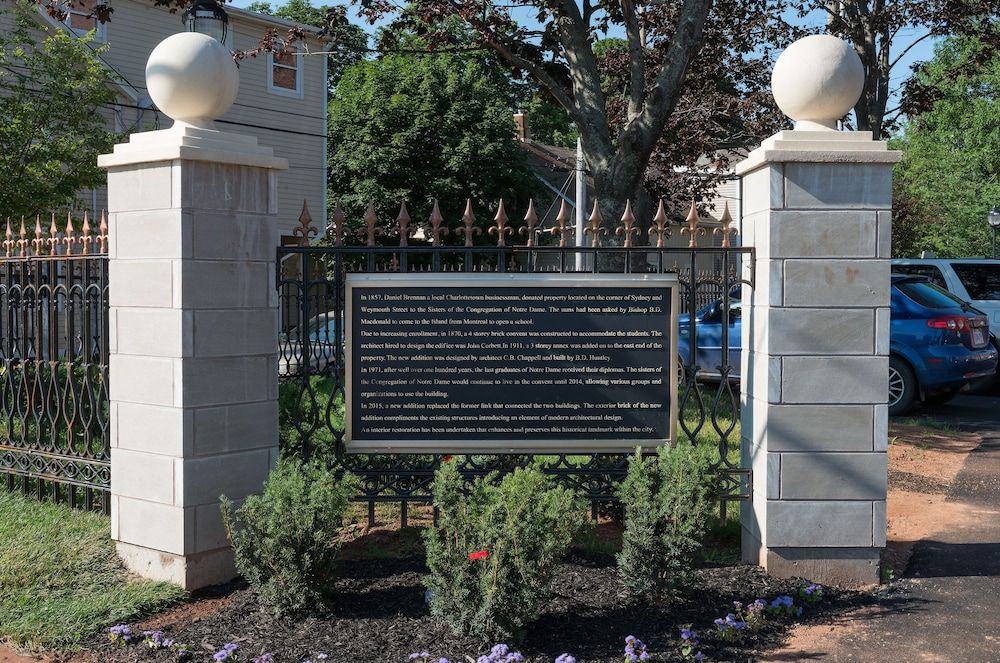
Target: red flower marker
[446,459]
[481,554]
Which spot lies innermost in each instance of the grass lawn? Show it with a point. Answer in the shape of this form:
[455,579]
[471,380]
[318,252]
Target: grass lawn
[60,579]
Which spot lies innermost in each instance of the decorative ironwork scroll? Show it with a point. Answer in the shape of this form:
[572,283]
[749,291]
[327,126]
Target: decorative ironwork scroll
[54,431]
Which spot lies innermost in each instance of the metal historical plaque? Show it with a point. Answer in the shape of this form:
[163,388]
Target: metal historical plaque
[510,363]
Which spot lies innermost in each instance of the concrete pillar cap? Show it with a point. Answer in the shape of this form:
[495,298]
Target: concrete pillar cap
[192,78]
[816,81]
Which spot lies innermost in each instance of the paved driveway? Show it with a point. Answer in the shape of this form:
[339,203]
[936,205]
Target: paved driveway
[947,605]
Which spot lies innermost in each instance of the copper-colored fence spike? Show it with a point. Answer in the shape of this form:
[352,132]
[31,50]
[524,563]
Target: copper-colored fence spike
[436,220]
[38,243]
[85,239]
[595,229]
[501,228]
[627,230]
[371,228]
[22,239]
[562,224]
[692,226]
[469,219]
[336,229]
[726,230]
[531,230]
[8,242]
[394,263]
[403,222]
[305,230]
[53,239]
[660,227]
[70,239]
[102,234]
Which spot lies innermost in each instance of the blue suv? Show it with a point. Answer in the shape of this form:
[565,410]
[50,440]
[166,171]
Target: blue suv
[937,343]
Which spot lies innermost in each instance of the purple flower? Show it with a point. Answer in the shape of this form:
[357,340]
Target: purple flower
[221,655]
[321,657]
[230,647]
[443,660]
[565,658]
[264,658]
[120,633]
[630,639]
[499,650]
[782,602]
[699,657]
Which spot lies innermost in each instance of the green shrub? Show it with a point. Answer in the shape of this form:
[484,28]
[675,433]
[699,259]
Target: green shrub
[524,523]
[284,540]
[666,511]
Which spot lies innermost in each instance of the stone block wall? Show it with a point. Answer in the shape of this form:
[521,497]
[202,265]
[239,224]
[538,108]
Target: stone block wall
[815,364]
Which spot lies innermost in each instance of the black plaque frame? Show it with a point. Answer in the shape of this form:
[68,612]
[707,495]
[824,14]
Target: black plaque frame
[668,281]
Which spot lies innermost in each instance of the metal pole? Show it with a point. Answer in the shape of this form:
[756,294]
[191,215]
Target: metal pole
[994,243]
[581,204]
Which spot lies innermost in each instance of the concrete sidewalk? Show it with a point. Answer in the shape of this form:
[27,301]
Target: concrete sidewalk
[945,607]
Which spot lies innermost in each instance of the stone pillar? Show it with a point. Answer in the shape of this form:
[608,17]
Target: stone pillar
[193,366]
[817,208]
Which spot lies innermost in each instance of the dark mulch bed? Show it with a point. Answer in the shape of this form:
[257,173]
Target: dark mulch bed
[381,616]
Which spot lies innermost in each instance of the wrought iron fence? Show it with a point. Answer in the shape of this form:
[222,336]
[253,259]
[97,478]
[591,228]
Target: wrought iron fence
[311,278]
[54,433]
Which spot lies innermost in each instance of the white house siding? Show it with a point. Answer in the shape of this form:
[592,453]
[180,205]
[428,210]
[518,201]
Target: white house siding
[728,191]
[294,127]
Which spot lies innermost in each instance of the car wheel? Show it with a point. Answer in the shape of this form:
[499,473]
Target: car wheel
[941,398]
[682,376]
[902,387]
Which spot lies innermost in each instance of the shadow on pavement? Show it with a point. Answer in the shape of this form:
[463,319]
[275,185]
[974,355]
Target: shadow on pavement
[936,559]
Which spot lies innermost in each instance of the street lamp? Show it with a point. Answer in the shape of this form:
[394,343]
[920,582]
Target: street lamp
[207,17]
[993,218]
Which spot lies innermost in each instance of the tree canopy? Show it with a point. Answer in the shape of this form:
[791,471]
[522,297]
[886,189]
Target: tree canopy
[688,81]
[884,31]
[422,128]
[53,92]
[949,177]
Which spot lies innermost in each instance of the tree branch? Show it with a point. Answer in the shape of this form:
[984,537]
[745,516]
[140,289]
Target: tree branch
[907,49]
[557,91]
[637,59]
[643,132]
[585,75]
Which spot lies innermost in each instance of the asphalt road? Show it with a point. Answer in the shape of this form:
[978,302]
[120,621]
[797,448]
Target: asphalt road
[945,606]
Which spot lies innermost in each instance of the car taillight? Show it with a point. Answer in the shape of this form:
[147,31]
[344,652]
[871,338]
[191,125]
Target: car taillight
[952,322]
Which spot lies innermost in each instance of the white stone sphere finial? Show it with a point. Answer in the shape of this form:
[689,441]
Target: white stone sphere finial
[817,80]
[192,78]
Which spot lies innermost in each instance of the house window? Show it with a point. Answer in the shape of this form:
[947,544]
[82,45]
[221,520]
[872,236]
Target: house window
[80,19]
[284,72]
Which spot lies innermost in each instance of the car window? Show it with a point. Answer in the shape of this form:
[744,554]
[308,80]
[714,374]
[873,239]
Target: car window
[981,280]
[928,294]
[931,272]
[326,323]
